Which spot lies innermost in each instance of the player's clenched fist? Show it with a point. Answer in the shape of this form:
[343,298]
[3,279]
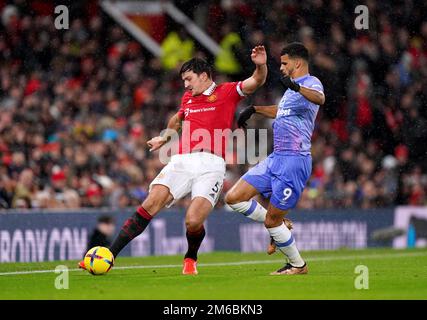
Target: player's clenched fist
[259,55]
[156,143]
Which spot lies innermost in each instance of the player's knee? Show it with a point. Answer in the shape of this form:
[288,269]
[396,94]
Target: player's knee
[193,224]
[232,197]
[228,198]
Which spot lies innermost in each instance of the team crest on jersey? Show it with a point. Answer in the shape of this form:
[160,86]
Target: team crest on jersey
[212,98]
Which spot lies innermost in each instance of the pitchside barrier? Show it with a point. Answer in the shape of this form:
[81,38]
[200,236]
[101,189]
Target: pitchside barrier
[47,236]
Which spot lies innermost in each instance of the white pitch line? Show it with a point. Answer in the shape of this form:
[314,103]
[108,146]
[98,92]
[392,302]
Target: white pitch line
[240,263]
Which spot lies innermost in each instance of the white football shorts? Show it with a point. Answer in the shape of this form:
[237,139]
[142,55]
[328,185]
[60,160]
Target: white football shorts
[200,173]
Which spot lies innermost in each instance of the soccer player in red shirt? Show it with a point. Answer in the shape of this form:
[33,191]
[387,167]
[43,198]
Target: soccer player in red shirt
[199,168]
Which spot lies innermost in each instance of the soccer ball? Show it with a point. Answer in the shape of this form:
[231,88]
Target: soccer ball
[98,260]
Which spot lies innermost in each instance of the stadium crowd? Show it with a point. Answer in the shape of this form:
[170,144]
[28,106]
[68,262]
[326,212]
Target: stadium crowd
[77,106]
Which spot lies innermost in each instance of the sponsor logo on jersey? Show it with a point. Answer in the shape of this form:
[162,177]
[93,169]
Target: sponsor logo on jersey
[187,111]
[283,112]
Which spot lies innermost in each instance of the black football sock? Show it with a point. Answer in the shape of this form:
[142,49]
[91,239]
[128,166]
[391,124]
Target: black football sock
[194,240]
[132,228]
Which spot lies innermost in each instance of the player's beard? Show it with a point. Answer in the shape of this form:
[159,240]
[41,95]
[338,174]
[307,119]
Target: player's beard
[289,72]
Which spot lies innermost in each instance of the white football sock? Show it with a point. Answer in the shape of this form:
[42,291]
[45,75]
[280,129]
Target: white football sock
[251,209]
[286,244]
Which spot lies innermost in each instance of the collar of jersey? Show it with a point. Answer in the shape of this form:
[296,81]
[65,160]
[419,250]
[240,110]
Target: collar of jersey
[302,77]
[210,90]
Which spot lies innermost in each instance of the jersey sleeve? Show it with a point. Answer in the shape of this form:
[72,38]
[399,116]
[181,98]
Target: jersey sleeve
[314,84]
[235,91]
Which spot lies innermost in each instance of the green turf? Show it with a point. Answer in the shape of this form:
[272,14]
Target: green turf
[393,274]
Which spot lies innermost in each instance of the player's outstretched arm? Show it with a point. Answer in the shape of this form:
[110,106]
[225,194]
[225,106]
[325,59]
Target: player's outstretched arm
[259,58]
[174,125]
[267,111]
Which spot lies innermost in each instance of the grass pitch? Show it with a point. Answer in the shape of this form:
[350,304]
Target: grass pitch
[393,274]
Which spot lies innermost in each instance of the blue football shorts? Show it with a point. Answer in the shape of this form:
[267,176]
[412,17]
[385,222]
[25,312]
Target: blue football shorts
[281,178]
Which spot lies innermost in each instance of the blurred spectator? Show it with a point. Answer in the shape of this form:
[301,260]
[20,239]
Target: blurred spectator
[94,196]
[226,61]
[177,48]
[103,233]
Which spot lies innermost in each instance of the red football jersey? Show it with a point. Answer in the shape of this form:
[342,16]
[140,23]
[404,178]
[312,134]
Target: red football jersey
[208,116]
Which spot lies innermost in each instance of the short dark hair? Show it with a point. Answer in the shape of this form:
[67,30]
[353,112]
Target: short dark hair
[198,66]
[106,219]
[295,50]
